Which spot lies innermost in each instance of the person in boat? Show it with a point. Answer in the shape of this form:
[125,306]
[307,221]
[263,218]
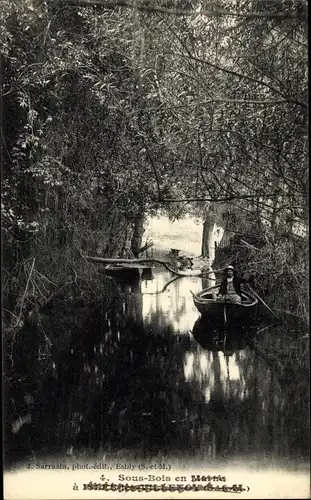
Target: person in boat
[230,286]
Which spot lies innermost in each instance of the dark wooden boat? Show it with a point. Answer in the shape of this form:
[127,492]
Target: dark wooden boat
[222,310]
[123,267]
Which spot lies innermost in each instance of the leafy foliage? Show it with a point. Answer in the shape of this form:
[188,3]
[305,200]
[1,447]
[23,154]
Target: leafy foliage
[115,111]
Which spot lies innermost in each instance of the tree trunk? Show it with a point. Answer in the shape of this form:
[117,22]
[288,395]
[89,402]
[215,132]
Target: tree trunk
[226,239]
[138,232]
[207,235]
[126,251]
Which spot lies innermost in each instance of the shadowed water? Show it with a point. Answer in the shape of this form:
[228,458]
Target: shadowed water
[146,377]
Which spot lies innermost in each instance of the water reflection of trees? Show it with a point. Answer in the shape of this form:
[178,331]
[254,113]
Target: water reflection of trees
[122,384]
[252,407]
[170,305]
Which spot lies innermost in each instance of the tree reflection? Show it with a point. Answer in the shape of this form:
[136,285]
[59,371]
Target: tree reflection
[124,382]
[246,398]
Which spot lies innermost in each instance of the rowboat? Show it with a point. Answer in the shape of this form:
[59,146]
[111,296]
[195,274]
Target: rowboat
[123,267]
[223,310]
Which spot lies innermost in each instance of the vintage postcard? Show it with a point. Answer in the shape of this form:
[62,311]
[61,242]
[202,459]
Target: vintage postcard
[155,292]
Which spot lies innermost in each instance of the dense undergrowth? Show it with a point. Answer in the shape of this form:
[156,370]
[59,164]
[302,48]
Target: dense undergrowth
[50,274]
[278,266]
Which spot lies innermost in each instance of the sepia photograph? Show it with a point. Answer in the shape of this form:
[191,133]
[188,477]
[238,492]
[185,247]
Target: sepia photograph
[155,249]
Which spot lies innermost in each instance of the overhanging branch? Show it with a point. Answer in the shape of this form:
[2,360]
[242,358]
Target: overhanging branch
[232,72]
[226,198]
[241,75]
[185,12]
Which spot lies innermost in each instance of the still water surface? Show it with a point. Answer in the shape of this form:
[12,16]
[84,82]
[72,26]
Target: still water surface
[148,378]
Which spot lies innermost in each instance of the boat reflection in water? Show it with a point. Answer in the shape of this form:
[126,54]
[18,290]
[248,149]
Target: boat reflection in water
[219,365]
[219,337]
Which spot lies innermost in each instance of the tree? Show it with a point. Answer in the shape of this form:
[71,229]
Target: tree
[122,111]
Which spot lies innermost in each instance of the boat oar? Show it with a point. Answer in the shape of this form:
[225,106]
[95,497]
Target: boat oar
[262,301]
[263,329]
[225,314]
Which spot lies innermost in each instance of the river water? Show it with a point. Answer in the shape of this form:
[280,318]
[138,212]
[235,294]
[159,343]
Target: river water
[147,378]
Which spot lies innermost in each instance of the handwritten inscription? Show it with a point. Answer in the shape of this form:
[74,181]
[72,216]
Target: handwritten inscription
[180,488]
[165,483]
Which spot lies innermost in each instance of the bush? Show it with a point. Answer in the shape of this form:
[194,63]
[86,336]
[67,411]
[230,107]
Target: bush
[278,266]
